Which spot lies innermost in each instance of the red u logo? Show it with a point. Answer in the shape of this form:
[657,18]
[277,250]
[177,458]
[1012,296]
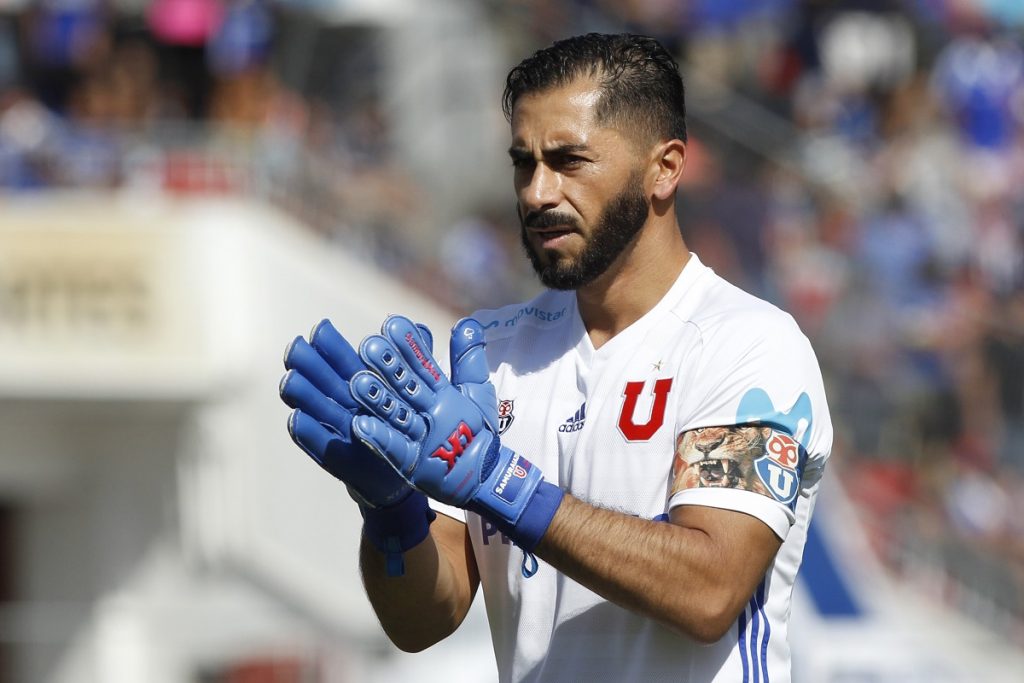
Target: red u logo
[642,432]
[458,440]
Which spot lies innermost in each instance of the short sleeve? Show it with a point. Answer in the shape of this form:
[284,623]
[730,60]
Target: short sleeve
[755,431]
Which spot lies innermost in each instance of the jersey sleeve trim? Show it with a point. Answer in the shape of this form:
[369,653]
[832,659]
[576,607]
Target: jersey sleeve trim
[778,517]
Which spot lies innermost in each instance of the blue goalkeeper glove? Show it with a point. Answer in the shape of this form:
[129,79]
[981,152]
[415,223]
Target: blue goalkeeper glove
[443,437]
[395,516]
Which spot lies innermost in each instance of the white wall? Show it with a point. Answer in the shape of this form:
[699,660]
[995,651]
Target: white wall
[166,522]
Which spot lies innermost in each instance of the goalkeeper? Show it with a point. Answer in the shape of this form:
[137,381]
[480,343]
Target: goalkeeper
[625,465]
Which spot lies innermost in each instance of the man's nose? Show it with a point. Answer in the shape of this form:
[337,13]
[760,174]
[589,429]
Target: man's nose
[543,190]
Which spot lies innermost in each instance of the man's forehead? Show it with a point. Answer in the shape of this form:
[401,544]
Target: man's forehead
[563,115]
[579,97]
[585,96]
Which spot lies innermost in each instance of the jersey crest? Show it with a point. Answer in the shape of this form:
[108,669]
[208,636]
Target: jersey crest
[777,468]
[505,416]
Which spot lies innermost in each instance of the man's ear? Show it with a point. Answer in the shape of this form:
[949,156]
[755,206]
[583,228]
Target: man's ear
[669,161]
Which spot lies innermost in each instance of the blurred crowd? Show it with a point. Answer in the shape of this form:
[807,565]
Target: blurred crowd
[876,193]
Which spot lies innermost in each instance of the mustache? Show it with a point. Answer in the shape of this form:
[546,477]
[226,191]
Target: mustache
[548,219]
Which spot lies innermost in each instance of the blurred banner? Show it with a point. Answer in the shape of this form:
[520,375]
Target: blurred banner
[93,302]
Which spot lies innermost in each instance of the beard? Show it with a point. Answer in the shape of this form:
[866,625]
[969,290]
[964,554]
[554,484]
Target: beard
[623,217]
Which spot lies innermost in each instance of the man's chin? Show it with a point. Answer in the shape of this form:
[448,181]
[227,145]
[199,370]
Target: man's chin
[555,270]
[558,276]
[558,284]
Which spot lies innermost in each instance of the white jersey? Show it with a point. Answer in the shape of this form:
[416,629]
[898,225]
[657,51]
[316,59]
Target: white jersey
[607,425]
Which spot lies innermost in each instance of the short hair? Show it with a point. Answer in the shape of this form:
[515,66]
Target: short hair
[641,88]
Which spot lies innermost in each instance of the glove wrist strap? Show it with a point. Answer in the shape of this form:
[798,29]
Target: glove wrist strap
[397,528]
[516,497]
[533,523]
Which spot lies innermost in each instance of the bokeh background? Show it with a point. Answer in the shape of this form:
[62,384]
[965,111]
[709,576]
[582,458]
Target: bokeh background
[187,184]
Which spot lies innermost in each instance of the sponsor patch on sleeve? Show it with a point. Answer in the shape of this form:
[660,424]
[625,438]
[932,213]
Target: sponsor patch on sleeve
[749,457]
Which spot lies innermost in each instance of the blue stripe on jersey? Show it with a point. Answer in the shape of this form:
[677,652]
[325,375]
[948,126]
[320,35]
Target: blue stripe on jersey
[754,650]
[755,624]
[767,631]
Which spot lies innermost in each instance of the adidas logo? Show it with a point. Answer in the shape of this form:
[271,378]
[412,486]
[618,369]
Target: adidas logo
[575,423]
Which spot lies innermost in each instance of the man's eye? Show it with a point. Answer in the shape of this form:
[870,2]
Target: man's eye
[521,163]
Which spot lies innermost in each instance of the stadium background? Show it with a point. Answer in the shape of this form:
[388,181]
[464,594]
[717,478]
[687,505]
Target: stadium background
[187,184]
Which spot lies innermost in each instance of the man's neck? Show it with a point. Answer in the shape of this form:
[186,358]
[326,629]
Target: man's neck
[632,286]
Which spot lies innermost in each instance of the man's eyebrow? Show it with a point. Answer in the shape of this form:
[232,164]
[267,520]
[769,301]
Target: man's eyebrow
[517,152]
[562,150]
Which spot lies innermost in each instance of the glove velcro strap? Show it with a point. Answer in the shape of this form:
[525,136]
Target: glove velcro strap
[398,528]
[536,518]
[517,499]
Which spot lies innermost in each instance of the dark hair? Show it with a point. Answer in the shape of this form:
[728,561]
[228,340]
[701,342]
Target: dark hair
[639,80]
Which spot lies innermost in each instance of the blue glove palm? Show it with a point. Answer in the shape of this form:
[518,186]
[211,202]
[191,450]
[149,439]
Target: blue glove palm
[443,437]
[316,386]
[395,516]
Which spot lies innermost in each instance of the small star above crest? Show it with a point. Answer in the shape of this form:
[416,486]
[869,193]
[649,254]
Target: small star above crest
[656,366]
